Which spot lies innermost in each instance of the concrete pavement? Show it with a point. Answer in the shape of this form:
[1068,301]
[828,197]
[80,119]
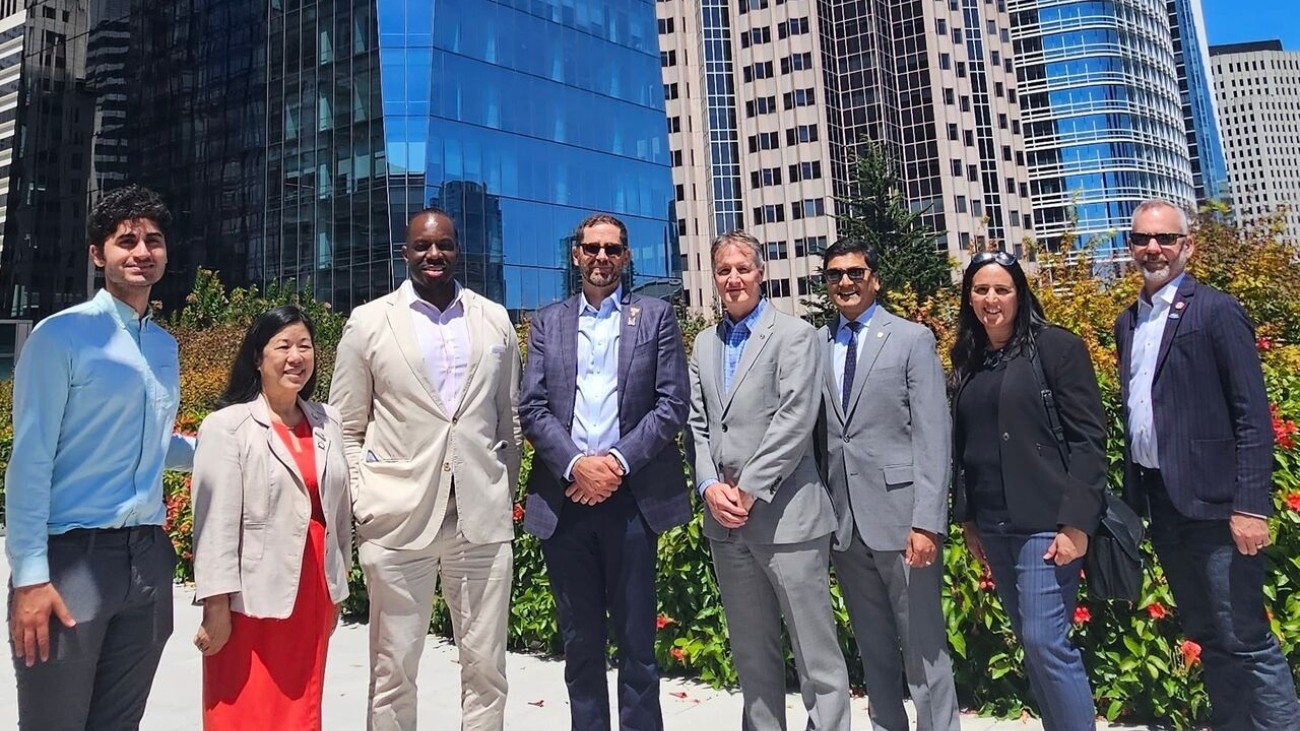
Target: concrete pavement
[537,700]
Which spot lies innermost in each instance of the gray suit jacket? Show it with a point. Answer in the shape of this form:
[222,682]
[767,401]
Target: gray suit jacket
[887,459]
[760,434]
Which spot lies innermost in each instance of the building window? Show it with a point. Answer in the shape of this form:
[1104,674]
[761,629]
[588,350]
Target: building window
[801,133]
[776,250]
[796,62]
[665,26]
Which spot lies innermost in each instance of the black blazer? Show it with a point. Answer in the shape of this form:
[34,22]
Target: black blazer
[1213,427]
[1042,494]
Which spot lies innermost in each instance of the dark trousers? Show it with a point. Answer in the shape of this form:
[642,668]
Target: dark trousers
[1220,596]
[1040,598]
[601,559]
[118,586]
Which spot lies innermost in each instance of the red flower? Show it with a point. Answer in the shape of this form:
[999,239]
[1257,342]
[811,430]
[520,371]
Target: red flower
[1191,653]
[1264,344]
[664,620]
[677,654]
[1157,610]
[519,512]
[1082,615]
[1293,501]
[1284,430]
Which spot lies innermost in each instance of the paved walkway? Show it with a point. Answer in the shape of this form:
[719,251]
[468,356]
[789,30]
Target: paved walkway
[537,700]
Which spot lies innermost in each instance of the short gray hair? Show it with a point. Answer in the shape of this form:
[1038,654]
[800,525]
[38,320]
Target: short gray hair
[741,239]
[1184,220]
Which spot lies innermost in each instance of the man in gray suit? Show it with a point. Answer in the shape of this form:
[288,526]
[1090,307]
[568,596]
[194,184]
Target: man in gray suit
[769,518]
[888,458]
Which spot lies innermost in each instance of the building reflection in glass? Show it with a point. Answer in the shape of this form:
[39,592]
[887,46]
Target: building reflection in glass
[294,140]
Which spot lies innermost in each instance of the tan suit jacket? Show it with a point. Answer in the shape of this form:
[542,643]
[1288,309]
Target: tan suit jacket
[251,509]
[405,447]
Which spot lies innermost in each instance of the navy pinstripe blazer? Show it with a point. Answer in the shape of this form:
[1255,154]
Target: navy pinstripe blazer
[1213,428]
[652,404]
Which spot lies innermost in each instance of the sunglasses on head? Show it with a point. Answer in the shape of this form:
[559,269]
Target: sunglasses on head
[1001,257]
[611,250]
[1140,239]
[855,274]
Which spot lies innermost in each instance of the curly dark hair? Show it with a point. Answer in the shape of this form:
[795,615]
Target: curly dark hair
[125,204]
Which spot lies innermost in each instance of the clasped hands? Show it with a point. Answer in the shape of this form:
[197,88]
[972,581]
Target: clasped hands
[595,478]
[729,504]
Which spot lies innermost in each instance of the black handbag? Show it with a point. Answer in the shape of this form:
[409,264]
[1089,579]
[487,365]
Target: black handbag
[1113,564]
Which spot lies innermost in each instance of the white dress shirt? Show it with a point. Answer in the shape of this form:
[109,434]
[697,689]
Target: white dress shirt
[1147,334]
[595,406]
[444,342]
[840,349]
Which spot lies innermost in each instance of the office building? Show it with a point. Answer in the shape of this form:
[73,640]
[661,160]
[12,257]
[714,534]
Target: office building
[294,139]
[1103,119]
[13,19]
[768,102]
[1196,92]
[1257,87]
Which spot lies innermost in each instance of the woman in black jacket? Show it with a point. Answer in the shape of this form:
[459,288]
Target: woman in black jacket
[1028,503]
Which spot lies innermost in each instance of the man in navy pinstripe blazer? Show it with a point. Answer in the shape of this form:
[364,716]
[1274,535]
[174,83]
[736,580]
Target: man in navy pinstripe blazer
[1199,461]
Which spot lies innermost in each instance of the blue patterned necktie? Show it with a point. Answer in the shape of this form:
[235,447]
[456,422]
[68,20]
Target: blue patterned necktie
[850,364]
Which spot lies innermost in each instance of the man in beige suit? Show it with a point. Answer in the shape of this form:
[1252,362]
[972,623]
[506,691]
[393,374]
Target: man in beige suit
[427,382]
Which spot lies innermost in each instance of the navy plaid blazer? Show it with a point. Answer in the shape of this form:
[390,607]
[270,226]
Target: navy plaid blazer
[653,398]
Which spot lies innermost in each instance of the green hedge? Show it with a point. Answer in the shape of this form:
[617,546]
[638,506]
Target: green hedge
[1141,667]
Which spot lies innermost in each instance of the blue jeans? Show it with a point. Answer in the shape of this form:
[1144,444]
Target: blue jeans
[1220,596]
[1040,598]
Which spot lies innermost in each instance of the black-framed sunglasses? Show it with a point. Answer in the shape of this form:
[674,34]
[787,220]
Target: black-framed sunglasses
[1140,239]
[1001,257]
[611,250]
[855,274]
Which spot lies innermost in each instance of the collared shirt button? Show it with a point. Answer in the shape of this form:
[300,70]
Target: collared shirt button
[446,467]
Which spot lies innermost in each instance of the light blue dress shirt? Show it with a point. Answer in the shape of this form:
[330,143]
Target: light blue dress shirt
[95,396]
[595,406]
[1147,334]
[735,335]
[840,348]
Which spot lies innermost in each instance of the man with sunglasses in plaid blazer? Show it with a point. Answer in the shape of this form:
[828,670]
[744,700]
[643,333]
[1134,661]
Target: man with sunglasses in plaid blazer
[604,397]
[1199,462]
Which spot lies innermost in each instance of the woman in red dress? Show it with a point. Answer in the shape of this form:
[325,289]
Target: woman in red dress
[272,533]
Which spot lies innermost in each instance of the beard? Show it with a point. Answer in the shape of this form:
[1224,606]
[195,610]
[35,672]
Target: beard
[1159,277]
[597,278]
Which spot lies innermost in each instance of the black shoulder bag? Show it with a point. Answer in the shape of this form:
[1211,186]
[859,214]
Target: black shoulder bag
[1114,559]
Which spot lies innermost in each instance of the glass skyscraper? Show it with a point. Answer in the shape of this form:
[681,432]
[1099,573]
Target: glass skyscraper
[1102,114]
[294,139]
[1196,89]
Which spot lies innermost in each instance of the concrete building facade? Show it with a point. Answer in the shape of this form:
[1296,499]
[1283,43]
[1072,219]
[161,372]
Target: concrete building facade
[768,101]
[1257,89]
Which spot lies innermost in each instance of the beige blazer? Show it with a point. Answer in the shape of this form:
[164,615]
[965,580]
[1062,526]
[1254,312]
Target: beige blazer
[251,509]
[405,447]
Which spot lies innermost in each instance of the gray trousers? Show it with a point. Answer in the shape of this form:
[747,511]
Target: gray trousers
[760,584]
[897,617]
[117,583]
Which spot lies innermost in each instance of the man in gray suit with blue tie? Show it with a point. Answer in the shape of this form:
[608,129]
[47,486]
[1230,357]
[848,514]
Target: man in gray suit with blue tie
[604,397]
[887,441]
[769,518]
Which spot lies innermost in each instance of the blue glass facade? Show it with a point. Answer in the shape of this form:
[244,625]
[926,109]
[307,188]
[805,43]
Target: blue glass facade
[1103,121]
[521,117]
[1196,89]
[295,138]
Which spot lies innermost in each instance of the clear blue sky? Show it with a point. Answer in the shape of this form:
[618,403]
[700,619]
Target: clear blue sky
[1238,21]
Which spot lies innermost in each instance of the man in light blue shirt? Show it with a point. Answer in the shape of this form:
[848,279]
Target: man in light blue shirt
[603,398]
[95,396]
